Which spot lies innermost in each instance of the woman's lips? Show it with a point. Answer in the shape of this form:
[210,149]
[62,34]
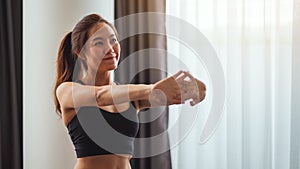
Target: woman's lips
[108,58]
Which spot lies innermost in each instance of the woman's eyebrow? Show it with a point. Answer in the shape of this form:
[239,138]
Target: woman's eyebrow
[97,38]
[112,35]
[100,38]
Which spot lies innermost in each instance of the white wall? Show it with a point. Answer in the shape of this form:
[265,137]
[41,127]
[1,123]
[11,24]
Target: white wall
[46,141]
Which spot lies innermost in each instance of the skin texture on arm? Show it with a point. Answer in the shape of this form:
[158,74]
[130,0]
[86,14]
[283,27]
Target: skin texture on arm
[74,95]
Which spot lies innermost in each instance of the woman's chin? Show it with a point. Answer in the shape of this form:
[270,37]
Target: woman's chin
[111,67]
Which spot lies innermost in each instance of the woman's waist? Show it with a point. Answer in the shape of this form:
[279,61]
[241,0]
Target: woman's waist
[109,161]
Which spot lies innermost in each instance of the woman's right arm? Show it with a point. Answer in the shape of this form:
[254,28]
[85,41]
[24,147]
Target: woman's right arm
[74,95]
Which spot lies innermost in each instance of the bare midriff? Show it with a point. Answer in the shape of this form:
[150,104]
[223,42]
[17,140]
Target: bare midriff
[110,161]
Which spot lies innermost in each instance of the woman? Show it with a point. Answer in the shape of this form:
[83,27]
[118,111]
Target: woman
[84,86]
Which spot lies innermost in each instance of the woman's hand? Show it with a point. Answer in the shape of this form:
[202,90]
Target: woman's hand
[175,90]
[192,88]
[166,92]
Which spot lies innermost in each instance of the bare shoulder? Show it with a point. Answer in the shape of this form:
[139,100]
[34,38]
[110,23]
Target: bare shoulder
[73,95]
[63,87]
[65,93]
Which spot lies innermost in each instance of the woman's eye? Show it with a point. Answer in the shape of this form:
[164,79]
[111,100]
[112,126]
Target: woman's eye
[99,43]
[114,40]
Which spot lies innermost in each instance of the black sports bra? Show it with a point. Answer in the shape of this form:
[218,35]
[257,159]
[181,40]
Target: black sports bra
[95,131]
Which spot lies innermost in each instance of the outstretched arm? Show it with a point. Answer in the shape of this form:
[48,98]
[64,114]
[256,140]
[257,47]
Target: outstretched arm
[74,95]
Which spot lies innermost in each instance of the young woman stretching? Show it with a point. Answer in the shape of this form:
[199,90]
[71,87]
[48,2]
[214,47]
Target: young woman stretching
[84,88]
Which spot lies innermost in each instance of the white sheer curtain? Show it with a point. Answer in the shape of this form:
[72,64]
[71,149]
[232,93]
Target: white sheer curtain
[257,43]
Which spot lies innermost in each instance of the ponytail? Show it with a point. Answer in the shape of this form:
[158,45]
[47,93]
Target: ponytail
[65,64]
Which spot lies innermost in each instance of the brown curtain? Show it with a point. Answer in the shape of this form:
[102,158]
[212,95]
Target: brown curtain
[11,84]
[130,72]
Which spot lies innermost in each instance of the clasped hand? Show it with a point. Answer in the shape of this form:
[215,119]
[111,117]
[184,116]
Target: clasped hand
[177,89]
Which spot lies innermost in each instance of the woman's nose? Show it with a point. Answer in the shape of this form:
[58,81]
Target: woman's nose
[109,48]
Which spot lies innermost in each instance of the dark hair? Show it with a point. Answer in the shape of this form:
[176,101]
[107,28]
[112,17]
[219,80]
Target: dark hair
[70,46]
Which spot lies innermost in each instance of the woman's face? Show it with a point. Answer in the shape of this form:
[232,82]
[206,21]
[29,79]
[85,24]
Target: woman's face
[102,49]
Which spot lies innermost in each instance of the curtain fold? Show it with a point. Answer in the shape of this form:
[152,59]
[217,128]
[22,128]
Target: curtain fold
[11,152]
[143,50]
[257,43]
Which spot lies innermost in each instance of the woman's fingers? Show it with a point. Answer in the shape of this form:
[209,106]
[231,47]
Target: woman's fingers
[177,74]
[189,75]
[191,88]
[181,75]
[181,79]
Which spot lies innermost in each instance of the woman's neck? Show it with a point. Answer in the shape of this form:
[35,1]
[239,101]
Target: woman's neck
[101,79]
